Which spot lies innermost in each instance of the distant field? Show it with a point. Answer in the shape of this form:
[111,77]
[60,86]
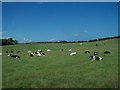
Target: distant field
[60,70]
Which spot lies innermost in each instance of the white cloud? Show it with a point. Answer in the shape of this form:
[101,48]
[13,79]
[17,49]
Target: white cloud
[8,37]
[53,39]
[26,40]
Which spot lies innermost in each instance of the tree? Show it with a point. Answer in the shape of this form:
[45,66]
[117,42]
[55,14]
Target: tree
[9,41]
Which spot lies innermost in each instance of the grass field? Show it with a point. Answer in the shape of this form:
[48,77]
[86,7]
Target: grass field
[60,70]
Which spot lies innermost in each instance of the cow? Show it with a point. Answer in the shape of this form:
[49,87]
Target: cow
[93,57]
[40,51]
[31,54]
[14,56]
[107,52]
[72,54]
[48,50]
[43,53]
[95,53]
[87,52]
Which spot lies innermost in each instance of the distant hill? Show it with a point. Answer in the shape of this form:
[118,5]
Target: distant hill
[64,41]
[10,41]
[100,39]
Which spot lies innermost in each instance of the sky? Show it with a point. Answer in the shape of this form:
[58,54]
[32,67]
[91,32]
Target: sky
[54,21]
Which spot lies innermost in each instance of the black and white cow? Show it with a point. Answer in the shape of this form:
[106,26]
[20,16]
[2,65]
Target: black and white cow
[37,53]
[43,53]
[93,57]
[40,51]
[95,53]
[14,56]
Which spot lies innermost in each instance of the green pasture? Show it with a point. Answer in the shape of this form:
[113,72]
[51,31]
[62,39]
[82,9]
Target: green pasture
[57,69]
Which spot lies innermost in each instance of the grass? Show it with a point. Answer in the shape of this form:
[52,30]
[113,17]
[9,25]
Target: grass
[60,70]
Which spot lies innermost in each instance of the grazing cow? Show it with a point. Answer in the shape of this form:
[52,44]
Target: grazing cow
[6,51]
[11,51]
[95,57]
[72,54]
[87,52]
[14,56]
[107,52]
[18,51]
[95,53]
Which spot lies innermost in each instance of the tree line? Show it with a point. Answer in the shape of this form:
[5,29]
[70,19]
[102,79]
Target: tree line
[94,40]
[9,41]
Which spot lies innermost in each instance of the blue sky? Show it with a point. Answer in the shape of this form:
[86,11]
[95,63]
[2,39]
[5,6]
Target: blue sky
[50,21]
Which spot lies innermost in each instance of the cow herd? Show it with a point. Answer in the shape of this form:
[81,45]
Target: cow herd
[13,55]
[37,53]
[92,56]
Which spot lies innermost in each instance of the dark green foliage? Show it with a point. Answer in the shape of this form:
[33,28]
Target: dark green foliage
[8,41]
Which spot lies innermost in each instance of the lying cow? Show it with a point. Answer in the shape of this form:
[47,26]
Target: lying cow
[48,50]
[38,53]
[107,52]
[14,56]
[35,54]
[87,52]
[72,54]
[95,53]
[93,57]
